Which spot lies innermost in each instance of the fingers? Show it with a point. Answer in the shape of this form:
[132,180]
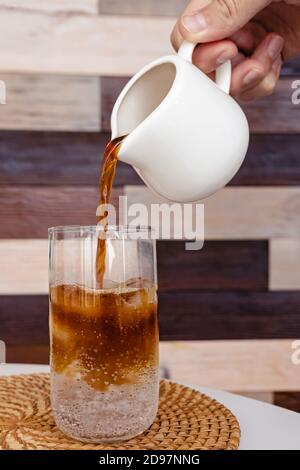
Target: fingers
[212,20]
[176,38]
[249,37]
[210,56]
[266,86]
[225,31]
[258,74]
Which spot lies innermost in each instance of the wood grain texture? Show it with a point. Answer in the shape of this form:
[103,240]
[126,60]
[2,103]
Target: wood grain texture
[28,212]
[249,213]
[24,267]
[69,37]
[55,6]
[36,102]
[272,160]
[284,273]
[232,365]
[56,159]
[52,158]
[270,115]
[75,42]
[110,90]
[218,267]
[240,265]
[28,354]
[24,320]
[276,113]
[291,67]
[73,158]
[228,315]
[142,8]
[289,400]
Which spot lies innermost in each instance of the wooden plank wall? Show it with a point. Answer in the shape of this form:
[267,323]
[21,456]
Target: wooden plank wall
[228,313]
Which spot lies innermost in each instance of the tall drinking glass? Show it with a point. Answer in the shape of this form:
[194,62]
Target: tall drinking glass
[104,338]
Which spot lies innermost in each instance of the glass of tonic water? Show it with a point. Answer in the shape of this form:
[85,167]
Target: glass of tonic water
[103,332]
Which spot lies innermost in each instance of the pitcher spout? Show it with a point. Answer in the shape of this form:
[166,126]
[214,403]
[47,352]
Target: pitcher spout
[127,153]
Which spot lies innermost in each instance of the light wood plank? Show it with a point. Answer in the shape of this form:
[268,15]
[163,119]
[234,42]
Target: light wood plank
[24,267]
[27,212]
[52,6]
[142,7]
[266,397]
[235,213]
[42,42]
[262,366]
[284,272]
[35,102]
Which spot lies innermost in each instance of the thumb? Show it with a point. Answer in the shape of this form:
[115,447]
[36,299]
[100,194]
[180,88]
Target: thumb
[212,20]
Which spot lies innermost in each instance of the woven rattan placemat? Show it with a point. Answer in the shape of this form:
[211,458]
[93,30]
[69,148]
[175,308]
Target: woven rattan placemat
[186,420]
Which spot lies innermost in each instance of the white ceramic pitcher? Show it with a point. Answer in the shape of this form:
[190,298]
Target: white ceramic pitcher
[186,136]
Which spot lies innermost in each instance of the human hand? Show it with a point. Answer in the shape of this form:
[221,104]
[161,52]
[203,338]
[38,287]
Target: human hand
[257,35]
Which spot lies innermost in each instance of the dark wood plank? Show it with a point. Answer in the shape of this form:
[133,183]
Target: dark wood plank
[66,158]
[24,320]
[28,354]
[28,212]
[228,265]
[229,315]
[292,67]
[51,158]
[56,158]
[271,160]
[273,114]
[288,400]
[182,315]
[110,90]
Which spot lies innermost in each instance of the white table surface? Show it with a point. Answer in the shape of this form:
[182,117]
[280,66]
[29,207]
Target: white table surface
[263,426]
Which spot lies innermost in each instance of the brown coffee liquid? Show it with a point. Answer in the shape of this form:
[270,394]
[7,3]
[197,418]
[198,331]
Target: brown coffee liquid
[107,176]
[107,337]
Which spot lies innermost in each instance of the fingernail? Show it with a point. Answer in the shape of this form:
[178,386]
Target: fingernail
[194,23]
[223,57]
[251,77]
[275,47]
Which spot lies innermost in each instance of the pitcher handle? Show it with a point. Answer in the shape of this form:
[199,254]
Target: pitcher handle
[223,73]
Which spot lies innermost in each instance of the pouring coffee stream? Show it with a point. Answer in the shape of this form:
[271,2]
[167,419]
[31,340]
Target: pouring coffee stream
[107,176]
